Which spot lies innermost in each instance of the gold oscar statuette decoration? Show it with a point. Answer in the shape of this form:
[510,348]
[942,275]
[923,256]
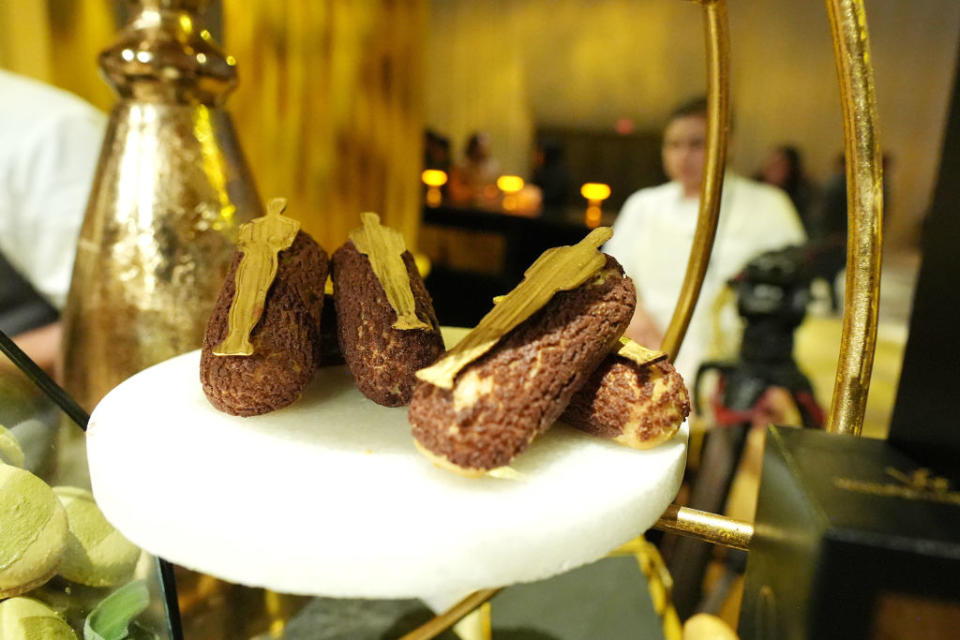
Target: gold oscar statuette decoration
[557,269]
[170,192]
[260,241]
[384,247]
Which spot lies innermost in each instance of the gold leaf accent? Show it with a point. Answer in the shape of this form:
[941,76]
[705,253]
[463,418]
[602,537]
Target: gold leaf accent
[557,269]
[385,248]
[635,352]
[261,240]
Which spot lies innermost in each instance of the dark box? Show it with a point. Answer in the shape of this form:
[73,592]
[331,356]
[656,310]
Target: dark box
[854,539]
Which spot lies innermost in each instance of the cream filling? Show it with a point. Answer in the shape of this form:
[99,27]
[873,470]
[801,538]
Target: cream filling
[470,388]
[631,435]
[445,464]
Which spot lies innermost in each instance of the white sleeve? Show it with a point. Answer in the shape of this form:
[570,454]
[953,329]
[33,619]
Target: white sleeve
[50,178]
[767,222]
[626,229]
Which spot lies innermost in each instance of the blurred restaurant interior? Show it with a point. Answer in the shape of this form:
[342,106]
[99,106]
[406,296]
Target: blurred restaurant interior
[485,132]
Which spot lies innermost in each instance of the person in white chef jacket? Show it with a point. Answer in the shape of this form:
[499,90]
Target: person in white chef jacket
[50,144]
[654,232]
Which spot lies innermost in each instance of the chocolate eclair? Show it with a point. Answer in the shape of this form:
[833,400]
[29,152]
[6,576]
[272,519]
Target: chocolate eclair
[282,350]
[383,348]
[499,402]
[637,405]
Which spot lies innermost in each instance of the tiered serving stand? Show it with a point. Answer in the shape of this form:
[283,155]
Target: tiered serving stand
[329,497]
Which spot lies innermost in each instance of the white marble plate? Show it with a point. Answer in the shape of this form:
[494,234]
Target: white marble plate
[329,496]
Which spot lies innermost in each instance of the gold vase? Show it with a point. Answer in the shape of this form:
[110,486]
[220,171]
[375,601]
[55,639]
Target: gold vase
[171,188]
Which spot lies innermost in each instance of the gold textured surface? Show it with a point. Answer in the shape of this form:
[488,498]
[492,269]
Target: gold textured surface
[717,34]
[385,247]
[637,353]
[170,190]
[848,23]
[261,240]
[557,269]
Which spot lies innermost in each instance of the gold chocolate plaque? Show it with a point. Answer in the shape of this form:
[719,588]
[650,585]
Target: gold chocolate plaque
[557,269]
[384,247]
[637,353]
[261,240]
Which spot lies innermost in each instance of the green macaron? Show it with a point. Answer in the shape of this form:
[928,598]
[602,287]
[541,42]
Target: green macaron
[97,555]
[29,619]
[33,531]
[10,451]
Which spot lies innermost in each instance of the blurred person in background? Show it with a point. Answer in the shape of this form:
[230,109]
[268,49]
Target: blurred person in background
[654,232]
[436,151]
[783,168]
[551,175]
[473,181]
[51,142]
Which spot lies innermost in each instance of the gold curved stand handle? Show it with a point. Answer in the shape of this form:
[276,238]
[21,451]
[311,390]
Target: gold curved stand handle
[851,48]
[717,34]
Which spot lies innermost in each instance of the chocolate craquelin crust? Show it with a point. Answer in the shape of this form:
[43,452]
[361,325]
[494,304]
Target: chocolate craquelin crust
[502,401]
[642,406]
[383,360]
[286,340]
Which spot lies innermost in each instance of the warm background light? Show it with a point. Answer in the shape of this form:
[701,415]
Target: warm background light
[510,184]
[595,191]
[434,177]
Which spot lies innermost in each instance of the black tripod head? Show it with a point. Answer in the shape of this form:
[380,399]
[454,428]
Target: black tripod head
[772,295]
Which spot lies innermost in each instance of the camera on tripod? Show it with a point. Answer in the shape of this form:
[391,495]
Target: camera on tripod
[772,292]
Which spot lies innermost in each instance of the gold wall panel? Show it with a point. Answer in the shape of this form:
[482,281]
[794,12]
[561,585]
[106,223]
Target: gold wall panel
[329,108]
[57,42]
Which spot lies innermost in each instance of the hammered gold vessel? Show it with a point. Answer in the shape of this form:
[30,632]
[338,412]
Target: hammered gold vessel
[170,191]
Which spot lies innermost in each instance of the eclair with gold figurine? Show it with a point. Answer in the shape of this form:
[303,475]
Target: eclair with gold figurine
[386,325]
[262,342]
[635,397]
[486,400]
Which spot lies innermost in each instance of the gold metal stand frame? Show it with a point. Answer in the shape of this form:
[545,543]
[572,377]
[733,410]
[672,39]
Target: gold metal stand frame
[864,191]
[717,34]
[851,51]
